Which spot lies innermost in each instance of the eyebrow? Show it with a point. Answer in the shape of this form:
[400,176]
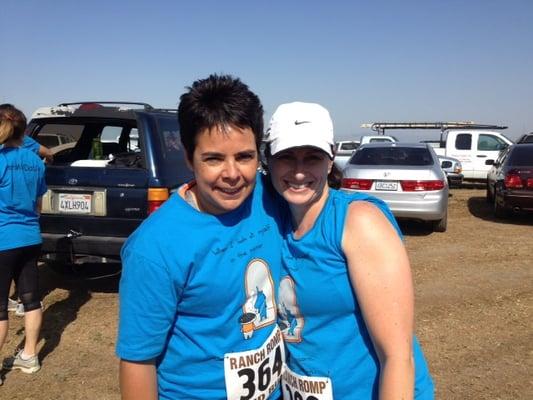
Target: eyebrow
[218,154]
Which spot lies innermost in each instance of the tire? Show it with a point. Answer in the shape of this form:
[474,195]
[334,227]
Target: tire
[500,211]
[490,196]
[441,224]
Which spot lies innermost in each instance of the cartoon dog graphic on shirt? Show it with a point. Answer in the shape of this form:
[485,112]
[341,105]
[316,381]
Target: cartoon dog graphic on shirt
[259,310]
[290,319]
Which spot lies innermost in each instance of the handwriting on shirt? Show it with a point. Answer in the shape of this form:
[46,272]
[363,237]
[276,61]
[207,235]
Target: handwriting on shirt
[243,241]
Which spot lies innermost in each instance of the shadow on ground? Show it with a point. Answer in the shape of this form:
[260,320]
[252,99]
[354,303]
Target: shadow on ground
[479,207]
[80,282]
[415,228]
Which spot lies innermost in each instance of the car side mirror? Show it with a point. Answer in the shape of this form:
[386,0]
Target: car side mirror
[491,162]
[446,164]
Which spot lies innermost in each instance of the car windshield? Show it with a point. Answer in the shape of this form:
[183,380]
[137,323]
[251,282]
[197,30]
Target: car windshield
[416,156]
[521,156]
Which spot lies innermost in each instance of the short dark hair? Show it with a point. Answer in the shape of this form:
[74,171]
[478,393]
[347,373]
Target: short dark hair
[217,101]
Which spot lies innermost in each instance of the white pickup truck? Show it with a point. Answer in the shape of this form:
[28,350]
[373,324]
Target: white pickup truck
[471,143]
[474,148]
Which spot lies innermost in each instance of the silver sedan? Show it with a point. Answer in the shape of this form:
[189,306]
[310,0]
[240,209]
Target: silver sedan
[407,176]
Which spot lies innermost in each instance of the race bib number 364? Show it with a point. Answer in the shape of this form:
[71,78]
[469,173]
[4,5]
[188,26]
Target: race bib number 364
[255,374]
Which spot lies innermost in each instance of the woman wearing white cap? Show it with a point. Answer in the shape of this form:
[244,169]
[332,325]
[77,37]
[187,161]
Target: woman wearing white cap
[346,300]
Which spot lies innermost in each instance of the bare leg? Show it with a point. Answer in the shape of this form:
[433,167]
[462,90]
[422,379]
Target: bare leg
[4,326]
[32,327]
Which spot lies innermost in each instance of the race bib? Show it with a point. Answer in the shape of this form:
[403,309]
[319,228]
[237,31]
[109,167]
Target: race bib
[299,387]
[255,374]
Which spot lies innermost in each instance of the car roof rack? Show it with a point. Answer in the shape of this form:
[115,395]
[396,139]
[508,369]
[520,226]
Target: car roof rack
[166,109]
[380,127]
[146,106]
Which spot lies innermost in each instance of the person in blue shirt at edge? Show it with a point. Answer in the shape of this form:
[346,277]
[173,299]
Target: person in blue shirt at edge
[197,315]
[21,187]
[45,153]
[346,295]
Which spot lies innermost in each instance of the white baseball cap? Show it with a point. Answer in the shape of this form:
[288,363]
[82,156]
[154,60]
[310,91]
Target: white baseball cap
[300,124]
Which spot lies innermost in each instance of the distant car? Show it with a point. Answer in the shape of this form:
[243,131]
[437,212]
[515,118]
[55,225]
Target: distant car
[452,168]
[52,140]
[407,176]
[510,180]
[343,152]
[526,138]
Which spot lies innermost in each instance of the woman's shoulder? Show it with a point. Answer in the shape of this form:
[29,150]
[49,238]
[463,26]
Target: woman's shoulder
[360,208]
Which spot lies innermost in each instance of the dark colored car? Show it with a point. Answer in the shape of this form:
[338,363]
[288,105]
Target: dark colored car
[510,181]
[122,165]
[526,138]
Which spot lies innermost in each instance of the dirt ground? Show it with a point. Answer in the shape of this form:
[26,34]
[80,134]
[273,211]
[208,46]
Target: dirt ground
[474,298]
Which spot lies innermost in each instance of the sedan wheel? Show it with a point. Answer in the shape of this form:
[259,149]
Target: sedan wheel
[442,224]
[490,196]
[499,210]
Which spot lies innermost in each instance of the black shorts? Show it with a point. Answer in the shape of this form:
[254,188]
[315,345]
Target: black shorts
[20,265]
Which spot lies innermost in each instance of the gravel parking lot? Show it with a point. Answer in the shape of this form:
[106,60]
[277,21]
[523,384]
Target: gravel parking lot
[474,296]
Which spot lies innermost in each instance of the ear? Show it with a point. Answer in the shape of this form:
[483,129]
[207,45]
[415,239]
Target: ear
[330,165]
[189,163]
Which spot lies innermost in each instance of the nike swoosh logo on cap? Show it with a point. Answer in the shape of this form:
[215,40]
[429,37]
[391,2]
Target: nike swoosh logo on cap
[301,122]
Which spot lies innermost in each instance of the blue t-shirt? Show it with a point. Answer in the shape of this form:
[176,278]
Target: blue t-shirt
[21,183]
[320,317]
[29,144]
[197,288]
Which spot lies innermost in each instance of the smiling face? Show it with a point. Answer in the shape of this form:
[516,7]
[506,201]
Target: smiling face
[300,175]
[224,162]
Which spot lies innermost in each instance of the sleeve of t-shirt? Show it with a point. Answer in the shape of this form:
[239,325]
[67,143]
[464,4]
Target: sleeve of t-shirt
[30,144]
[148,296]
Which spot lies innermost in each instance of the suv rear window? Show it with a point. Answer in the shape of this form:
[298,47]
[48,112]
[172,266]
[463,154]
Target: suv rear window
[117,137]
[392,156]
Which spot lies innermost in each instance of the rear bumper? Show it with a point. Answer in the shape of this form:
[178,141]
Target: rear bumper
[518,200]
[455,179]
[103,246]
[427,206]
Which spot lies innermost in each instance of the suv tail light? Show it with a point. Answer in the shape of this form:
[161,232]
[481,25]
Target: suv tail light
[512,180]
[360,184]
[421,186]
[156,197]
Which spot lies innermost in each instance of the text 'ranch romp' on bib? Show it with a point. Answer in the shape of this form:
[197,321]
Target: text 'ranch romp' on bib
[299,387]
[255,374]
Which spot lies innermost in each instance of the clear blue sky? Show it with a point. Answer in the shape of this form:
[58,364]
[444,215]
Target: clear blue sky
[365,61]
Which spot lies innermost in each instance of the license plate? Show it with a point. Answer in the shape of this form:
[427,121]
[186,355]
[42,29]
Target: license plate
[386,185]
[75,203]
